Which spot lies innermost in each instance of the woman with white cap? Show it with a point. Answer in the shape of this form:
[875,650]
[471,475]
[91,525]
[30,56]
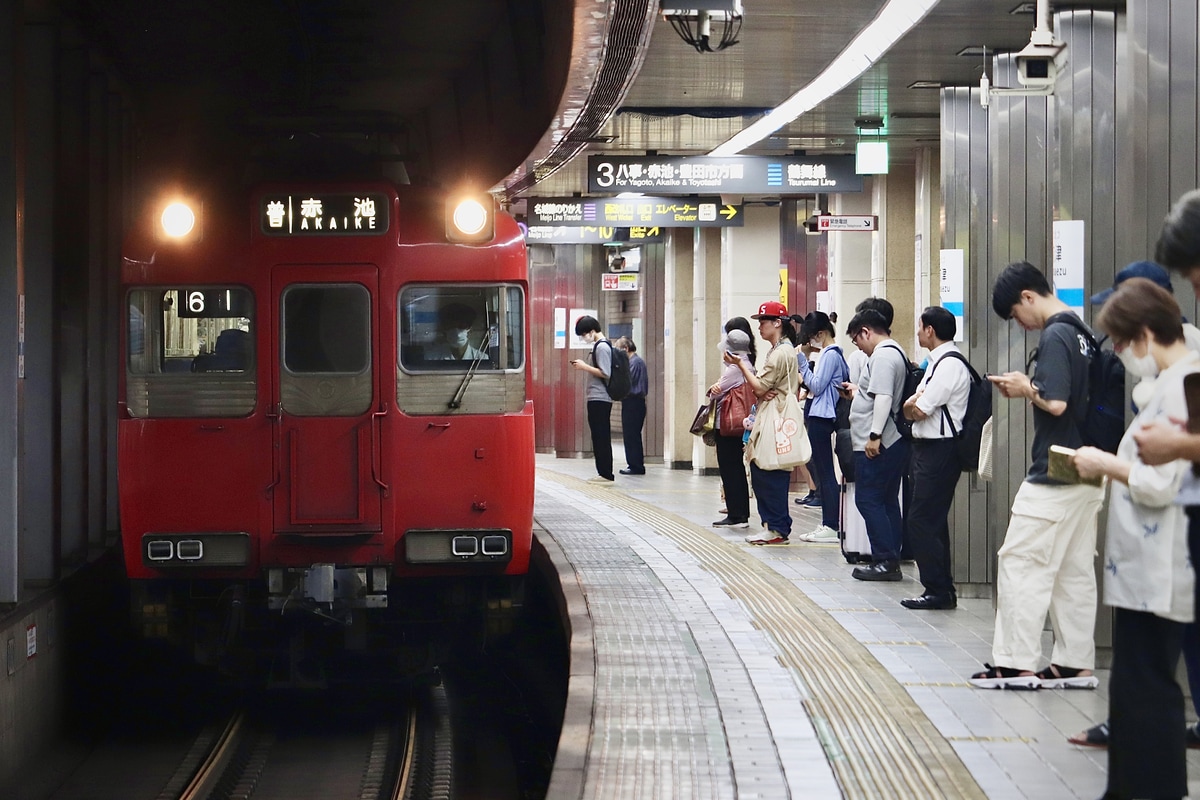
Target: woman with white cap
[729,448]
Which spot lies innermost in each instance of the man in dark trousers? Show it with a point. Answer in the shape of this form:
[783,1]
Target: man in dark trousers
[937,409]
[633,409]
[599,404]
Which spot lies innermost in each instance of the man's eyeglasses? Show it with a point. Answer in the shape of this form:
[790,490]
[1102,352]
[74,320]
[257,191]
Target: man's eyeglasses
[858,333]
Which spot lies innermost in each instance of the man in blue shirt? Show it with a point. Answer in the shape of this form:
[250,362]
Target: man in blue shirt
[633,409]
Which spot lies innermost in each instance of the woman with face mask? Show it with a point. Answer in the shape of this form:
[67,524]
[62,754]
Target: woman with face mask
[1148,579]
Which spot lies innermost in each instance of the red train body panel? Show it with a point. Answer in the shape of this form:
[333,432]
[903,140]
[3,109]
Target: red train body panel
[322,400]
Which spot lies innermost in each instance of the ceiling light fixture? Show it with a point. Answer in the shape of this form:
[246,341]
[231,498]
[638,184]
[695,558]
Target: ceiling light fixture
[925,85]
[694,25]
[896,19]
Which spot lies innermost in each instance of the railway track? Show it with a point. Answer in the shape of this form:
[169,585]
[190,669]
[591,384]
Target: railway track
[381,750]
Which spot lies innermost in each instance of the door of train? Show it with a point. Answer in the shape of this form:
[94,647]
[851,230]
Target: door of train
[325,395]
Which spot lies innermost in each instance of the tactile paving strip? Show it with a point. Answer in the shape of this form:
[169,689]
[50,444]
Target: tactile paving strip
[879,742]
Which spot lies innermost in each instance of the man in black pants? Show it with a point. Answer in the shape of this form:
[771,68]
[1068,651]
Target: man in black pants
[599,404]
[633,410]
[940,399]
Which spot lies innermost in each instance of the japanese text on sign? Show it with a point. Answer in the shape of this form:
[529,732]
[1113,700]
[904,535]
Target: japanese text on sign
[620,212]
[324,215]
[733,175]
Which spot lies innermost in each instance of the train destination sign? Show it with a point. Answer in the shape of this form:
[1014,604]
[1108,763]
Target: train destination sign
[590,234]
[324,214]
[728,175]
[628,212]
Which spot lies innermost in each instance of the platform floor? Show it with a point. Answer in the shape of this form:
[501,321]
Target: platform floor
[718,669]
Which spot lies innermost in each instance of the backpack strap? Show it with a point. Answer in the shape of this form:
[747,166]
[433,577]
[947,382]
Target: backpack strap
[955,354]
[597,366]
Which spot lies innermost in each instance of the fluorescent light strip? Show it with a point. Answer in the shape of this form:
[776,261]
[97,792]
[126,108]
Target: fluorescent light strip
[896,19]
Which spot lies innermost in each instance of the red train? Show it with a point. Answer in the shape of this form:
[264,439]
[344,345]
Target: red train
[325,432]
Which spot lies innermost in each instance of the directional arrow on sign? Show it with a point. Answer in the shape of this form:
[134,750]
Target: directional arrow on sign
[729,212]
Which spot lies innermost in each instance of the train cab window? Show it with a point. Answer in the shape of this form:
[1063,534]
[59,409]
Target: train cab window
[461,328]
[325,367]
[190,352]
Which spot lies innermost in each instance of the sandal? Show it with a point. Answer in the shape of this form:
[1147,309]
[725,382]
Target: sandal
[1056,677]
[1003,678]
[1095,736]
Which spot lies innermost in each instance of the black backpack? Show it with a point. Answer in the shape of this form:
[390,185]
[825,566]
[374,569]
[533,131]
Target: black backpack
[979,411]
[1102,424]
[619,382]
[912,378]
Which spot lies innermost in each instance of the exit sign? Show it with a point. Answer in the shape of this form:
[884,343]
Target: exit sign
[828,222]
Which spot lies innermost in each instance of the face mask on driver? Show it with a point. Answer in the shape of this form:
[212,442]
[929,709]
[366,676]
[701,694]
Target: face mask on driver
[458,337]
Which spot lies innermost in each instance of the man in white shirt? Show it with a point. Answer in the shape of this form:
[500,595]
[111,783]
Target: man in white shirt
[937,410]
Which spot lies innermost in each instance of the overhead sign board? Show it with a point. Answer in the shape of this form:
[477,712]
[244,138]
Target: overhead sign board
[852,222]
[625,212]
[675,175]
[591,234]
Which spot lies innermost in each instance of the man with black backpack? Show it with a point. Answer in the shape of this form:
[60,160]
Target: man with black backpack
[937,410]
[1046,562]
[599,403]
[880,453]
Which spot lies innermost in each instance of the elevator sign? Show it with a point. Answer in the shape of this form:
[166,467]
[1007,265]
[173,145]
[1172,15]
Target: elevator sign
[860,222]
[628,212]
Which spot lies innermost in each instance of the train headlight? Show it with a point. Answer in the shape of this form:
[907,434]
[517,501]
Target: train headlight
[178,220]
[471,219]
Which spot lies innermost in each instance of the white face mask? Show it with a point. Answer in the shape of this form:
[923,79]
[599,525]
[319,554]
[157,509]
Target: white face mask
[1144,367]
[459,337]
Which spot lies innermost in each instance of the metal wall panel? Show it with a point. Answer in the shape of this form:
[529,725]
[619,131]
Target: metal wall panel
[1159,102]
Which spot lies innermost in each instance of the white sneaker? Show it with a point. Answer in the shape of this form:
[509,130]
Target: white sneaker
[766,537]
[822,535]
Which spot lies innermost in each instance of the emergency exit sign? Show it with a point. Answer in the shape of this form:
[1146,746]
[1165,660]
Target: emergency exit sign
[828,222]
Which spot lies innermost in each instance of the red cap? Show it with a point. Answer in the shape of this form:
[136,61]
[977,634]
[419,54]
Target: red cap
[772,309]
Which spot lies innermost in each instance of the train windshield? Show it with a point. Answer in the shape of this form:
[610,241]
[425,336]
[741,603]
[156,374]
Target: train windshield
[190,352]
[462,328]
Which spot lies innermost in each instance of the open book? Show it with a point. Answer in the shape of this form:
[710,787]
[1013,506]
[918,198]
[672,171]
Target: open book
[1062,469]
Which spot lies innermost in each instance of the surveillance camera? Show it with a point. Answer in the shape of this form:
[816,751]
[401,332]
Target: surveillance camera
[1037,65]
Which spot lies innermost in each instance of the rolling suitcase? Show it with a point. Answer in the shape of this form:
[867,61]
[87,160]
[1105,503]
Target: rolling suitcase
[852,533]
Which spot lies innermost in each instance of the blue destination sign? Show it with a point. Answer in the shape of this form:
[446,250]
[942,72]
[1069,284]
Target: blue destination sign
[628,212]
[562,234]
[324,214]
[675,175]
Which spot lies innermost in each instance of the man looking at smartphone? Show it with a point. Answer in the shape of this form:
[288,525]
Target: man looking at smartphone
[599,404]
[1046,562]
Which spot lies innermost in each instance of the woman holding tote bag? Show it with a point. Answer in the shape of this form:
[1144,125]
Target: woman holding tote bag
[778,441]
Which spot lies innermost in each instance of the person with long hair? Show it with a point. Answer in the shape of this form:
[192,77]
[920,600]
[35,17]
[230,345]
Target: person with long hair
[1148,579]
[823,383]
[778,375]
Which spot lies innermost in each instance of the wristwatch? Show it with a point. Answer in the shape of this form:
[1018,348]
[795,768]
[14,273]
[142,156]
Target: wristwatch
[875,437]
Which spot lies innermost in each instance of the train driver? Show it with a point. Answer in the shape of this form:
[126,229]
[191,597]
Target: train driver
[454,331]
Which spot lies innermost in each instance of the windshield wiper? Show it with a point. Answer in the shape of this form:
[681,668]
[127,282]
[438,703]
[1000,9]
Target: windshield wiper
[486,344]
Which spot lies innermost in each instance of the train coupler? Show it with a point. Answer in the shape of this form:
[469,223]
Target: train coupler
[322,588]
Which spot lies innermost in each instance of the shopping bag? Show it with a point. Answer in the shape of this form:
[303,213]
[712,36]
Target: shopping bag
[985,451]
[779,440]
[706,418]
[735,407]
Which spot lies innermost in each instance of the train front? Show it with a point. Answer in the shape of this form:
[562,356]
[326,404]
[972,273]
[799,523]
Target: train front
[325,437]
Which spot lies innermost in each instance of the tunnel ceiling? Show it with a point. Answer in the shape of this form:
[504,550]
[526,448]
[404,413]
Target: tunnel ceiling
[457,91]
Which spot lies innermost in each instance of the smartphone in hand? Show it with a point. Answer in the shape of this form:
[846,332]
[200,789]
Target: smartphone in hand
[1191,393]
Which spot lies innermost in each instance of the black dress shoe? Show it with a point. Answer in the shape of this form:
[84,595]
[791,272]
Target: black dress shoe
[633,472]
[879,571]
[931,602]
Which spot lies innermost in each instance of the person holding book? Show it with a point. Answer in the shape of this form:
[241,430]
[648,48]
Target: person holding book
[1149,580]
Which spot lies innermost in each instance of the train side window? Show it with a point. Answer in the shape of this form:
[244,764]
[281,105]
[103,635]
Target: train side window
[454,328]
[190,352]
